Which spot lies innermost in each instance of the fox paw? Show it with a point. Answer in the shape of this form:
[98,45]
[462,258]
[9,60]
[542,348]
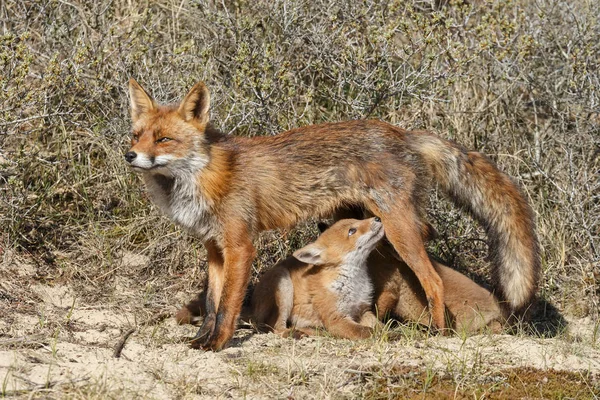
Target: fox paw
[293,333]
[185,317]
[193,311]
[202,338]
[213,334]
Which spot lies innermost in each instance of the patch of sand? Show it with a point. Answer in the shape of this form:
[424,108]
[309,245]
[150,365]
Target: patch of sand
[75,353]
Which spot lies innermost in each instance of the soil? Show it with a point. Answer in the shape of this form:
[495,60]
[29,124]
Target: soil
[56,344]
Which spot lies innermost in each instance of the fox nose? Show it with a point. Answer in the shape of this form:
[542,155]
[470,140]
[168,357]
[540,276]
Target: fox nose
[130,156]
[377,219]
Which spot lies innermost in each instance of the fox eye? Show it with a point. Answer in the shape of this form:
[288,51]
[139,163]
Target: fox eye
[136,137]
[163,140]
[352,231]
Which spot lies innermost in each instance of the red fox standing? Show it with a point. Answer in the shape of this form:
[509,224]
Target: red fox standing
[226,189]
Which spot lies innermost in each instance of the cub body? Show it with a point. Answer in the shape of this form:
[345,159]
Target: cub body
[398,294]
[324,285]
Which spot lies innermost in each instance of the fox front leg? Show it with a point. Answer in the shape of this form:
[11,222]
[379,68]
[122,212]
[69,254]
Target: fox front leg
[238,254]
[213,292]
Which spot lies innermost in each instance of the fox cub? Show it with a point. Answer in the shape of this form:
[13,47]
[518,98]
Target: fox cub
[325,284]
[398,294]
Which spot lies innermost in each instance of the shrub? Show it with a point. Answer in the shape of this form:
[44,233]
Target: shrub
[516,79]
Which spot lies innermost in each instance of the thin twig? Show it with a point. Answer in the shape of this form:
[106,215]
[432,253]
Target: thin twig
[41,387]
[151,321]
[24,342]
[121,343]
[18,121]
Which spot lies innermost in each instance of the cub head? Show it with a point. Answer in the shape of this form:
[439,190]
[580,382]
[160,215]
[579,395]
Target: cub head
[168,139]
[348,240]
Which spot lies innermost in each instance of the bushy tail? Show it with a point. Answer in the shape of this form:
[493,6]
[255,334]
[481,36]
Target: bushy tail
[474,182]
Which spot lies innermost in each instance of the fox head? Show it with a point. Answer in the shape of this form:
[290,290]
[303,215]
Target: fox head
[346,241]
[168,139]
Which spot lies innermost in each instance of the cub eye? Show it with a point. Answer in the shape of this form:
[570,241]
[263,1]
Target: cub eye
[163,140]
[136,137]
[352,231]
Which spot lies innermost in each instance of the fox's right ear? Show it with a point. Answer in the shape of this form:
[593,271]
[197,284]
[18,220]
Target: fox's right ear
[310,254]
[196,104]
[141,102]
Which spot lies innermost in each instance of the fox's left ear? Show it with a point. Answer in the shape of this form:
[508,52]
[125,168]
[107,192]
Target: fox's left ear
[196,104]
[310,254]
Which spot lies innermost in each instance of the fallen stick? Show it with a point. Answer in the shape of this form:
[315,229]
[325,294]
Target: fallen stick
[34,342]
[155,319]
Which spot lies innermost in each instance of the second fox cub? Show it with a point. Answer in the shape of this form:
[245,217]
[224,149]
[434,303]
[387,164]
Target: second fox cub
[398,294]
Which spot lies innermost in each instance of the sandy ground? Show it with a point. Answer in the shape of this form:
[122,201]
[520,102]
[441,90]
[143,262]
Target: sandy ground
[58,346]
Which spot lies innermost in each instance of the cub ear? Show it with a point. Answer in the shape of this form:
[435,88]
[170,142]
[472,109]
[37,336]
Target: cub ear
[322,226]
[428,232]
[310,254]
[196,104]
[140,101]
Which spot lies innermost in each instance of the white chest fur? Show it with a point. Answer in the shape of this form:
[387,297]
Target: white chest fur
[181,200]
[353,288]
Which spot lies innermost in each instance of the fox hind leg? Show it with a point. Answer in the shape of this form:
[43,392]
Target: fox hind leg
[273,300]
[404,231]
[284,300]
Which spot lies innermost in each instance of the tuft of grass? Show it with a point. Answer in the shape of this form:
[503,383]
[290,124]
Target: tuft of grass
[411,383]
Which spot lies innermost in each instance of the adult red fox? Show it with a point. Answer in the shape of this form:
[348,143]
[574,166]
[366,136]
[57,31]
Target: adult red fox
[226,189]
[339,283]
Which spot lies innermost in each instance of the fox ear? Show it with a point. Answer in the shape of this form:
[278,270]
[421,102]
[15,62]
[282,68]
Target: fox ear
[196,104]
[428,232]
[310,254]
[322,226]
[141,102]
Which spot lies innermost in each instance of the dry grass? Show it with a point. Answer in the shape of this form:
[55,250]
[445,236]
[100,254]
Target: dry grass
[517,80]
